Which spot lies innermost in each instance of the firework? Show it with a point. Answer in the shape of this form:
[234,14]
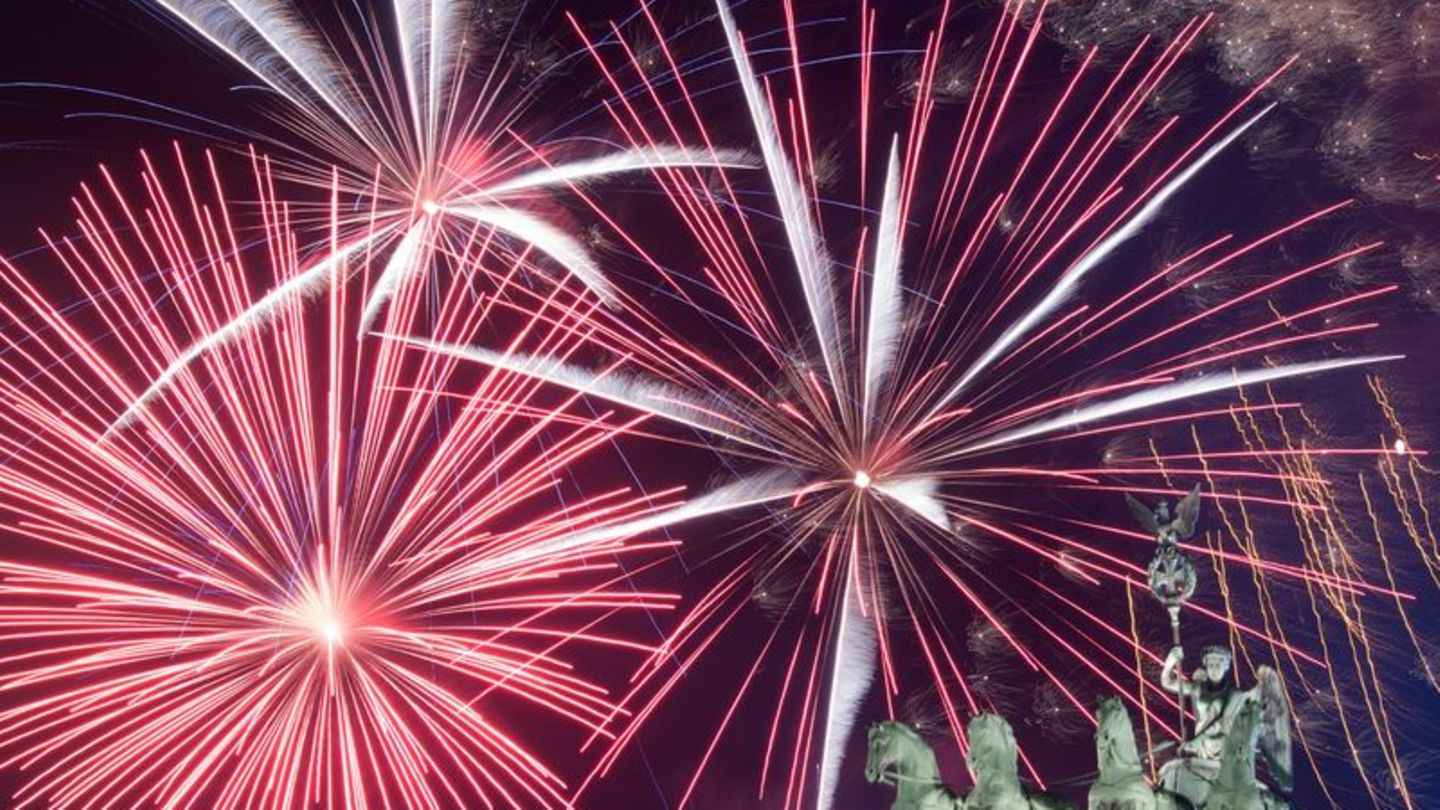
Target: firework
[907,403]
[313,571]
[431,151]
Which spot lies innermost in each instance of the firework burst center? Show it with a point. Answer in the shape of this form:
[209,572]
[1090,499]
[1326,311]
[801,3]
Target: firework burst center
[332,632]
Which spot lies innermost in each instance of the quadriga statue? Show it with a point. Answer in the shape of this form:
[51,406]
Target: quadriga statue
[1218,706]
[994,764]
[1254,722]
[1121,782]
[900,757]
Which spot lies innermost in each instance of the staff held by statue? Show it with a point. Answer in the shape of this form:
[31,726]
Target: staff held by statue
[1172,573]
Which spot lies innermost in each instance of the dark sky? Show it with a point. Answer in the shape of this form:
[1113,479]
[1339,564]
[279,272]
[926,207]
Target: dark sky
[52,138]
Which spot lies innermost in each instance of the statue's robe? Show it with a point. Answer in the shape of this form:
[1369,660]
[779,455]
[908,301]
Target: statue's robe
[1193,773]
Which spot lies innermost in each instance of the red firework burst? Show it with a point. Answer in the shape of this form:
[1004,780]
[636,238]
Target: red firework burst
[312,571]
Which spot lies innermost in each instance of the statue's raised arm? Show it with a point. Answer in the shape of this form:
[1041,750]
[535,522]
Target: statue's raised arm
[1170,679]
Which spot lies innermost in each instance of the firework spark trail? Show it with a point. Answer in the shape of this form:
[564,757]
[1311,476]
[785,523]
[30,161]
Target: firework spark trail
[850,677]
[313,570]
[903,425]
[1065,286]
[812,261]
[1163,394]
[437,155]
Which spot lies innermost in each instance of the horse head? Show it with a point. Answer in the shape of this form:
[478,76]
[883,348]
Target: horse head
[883,750]
[1115,750]
[992,756]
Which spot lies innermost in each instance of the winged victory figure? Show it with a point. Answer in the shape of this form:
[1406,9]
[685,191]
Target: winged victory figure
[1168,528]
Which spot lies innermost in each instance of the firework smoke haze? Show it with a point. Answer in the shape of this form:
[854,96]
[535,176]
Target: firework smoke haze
[1348,102]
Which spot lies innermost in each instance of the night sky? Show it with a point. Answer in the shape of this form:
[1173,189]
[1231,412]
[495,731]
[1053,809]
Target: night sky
[91,82]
